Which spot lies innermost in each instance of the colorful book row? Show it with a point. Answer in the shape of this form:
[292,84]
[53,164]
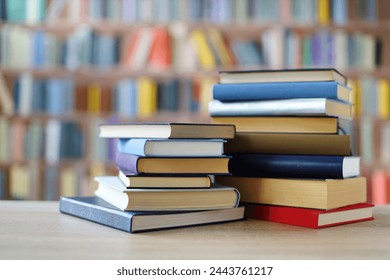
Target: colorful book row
[37,181]
[336,48]
[128,98]
[218,11]
[154,48]
[158,48]
[52,141]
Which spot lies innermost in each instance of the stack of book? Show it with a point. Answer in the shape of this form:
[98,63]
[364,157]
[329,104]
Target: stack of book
[164,178]
[291,160]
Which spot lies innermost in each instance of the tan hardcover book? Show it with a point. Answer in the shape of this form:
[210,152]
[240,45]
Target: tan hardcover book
[112,190]
[289,143]
[175,181]
[284,75]
[317,194]
[281,124]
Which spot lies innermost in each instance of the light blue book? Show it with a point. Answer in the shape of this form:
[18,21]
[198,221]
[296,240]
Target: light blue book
[171,147]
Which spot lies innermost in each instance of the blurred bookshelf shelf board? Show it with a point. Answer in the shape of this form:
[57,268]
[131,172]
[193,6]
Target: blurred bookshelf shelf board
[75,238]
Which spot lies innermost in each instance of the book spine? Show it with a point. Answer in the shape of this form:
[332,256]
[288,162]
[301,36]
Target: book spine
[127,162]
[266,91]
[132,146]
[287,166]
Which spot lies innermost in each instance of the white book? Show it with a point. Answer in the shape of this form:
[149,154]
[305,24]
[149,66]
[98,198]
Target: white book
[282,107]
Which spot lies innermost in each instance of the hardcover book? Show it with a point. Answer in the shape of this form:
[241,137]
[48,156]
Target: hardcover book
[294,166]
[172,165]
[289,143]
[311,218]
[167,130]
[282,107]
[283,75]
[268,91]
[323,125]
[172,147]
[112,190]
[307,193]
[99,211]
[168,181]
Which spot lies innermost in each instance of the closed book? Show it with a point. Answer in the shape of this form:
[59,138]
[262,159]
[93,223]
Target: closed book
[294,166]
[99,211]
[307,193]
[311,218]
[112,190]
[289,143]
[131,180]
[171,147]
[167,130]
[283,75]
[282,107]
[326,125]
[172,165]
[285,90]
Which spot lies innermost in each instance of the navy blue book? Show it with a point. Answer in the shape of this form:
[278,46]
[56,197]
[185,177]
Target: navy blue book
[282,90]
[99,211]
[294,166]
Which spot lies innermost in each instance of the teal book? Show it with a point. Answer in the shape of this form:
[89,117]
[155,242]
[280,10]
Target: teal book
[16,10]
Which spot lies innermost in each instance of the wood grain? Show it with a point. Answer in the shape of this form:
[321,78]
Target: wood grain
[37,230]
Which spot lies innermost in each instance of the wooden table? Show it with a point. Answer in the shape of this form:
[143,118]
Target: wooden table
[37,230]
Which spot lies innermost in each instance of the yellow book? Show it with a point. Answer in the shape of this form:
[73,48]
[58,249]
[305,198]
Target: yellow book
[147,97]
[68,182]
[356,97]
[217,40]
[205,55]
[94,98]
[383,99]
[323,12]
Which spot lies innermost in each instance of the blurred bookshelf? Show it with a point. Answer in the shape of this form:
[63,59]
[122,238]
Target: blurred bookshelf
[67,66]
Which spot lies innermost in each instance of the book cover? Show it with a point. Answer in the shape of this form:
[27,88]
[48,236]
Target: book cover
[112,190]
[276,124]
[294,166]
[171,147]
[308,193]
[284,75]
[310,218]
[285,90]
[172,165]
[97,210]
[282,107]
[167,130]
[289,143]
[131,180]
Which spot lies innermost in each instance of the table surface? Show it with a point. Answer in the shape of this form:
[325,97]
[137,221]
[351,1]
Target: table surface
[37,230]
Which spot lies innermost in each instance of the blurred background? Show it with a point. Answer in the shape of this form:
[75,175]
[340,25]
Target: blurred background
[68,65]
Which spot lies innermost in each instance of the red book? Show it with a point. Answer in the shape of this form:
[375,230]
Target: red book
[160,53]
[311,218]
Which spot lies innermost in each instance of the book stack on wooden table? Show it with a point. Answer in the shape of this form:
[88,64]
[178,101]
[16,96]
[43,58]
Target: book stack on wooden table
[291,158]
[163,178]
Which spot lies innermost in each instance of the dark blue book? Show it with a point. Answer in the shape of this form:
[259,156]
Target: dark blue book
[97,210]
[294,166]
[282,90]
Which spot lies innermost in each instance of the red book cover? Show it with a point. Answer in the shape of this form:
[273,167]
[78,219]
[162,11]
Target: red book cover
[310,218]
